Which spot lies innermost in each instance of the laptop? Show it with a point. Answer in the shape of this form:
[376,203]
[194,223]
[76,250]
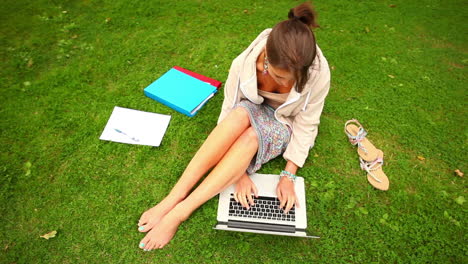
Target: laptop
[264,217]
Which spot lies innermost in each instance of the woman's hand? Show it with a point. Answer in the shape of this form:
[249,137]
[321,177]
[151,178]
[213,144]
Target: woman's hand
[286,194]
[244,189]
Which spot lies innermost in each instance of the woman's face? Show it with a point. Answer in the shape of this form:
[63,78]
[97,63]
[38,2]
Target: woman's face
[281,76]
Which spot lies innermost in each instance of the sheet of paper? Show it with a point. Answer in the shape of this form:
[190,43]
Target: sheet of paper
[135,127]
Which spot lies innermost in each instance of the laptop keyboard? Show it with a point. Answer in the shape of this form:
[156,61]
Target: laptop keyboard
[263,208]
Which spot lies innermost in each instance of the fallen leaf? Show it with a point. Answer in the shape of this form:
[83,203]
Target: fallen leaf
[391,76]
[456,65]
[74,36]
[30,63]
[421,158]
[363,210]
[246,11]
[392,6]
[367,29]
[108,19]
[446,214]
[27,167]
[458,173]
[352,203]
[333,68]
[49,235]
[316,155]
[460,200]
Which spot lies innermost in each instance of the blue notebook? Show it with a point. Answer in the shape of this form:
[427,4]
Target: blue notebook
[180,91]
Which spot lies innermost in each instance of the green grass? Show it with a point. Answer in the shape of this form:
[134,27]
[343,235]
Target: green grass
[398,66]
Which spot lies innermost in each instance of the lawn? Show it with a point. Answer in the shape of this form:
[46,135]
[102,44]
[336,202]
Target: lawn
[397,66]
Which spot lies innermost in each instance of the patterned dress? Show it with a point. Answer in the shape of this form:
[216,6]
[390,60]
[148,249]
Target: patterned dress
[273,136]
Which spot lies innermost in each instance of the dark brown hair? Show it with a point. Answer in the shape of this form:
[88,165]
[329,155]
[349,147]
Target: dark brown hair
[291,43]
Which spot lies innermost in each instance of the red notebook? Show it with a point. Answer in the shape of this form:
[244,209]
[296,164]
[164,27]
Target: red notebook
[200,77]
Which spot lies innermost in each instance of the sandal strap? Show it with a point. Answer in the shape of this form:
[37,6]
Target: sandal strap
[356,140]
[370,166]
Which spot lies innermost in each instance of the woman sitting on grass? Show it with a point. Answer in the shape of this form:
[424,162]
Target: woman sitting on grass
[274,96]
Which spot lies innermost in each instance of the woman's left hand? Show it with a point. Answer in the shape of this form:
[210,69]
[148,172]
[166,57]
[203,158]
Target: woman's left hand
[286,194]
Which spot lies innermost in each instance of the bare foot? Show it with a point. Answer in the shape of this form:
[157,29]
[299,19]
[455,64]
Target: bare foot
[152,216]
[164,231]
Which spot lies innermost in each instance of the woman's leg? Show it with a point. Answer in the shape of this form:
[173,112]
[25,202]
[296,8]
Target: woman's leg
[231,167]
[210,153]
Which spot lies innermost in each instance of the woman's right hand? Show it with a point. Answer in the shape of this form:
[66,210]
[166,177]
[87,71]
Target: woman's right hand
[244,189]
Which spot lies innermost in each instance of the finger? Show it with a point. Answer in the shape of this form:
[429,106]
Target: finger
[235,197]
[250,198]
[278,193]
[239,198]
[290,204]
[255,190]
[283,201]
[243,201]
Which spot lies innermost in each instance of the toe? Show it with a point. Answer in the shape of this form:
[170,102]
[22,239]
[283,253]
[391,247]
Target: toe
[149,241]
[144,242]
[151,245]
[145,228]
[143,219]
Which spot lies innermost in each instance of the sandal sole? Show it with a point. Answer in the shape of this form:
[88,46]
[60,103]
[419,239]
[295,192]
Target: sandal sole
[380,174]
[372,151]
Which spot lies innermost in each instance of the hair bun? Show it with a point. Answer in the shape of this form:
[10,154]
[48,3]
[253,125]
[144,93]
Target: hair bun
[304,13]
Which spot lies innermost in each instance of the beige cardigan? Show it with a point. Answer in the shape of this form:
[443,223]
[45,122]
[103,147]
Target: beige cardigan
[301,111]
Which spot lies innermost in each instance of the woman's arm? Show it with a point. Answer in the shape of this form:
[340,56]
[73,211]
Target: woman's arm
[285,189]
[230,90]
[305,124]
[291,167]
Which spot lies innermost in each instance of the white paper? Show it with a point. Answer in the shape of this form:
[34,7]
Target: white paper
[135,127]
[201,104]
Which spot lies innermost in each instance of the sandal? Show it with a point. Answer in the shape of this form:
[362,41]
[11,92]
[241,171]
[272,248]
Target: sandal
[357,136]
[375,174]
